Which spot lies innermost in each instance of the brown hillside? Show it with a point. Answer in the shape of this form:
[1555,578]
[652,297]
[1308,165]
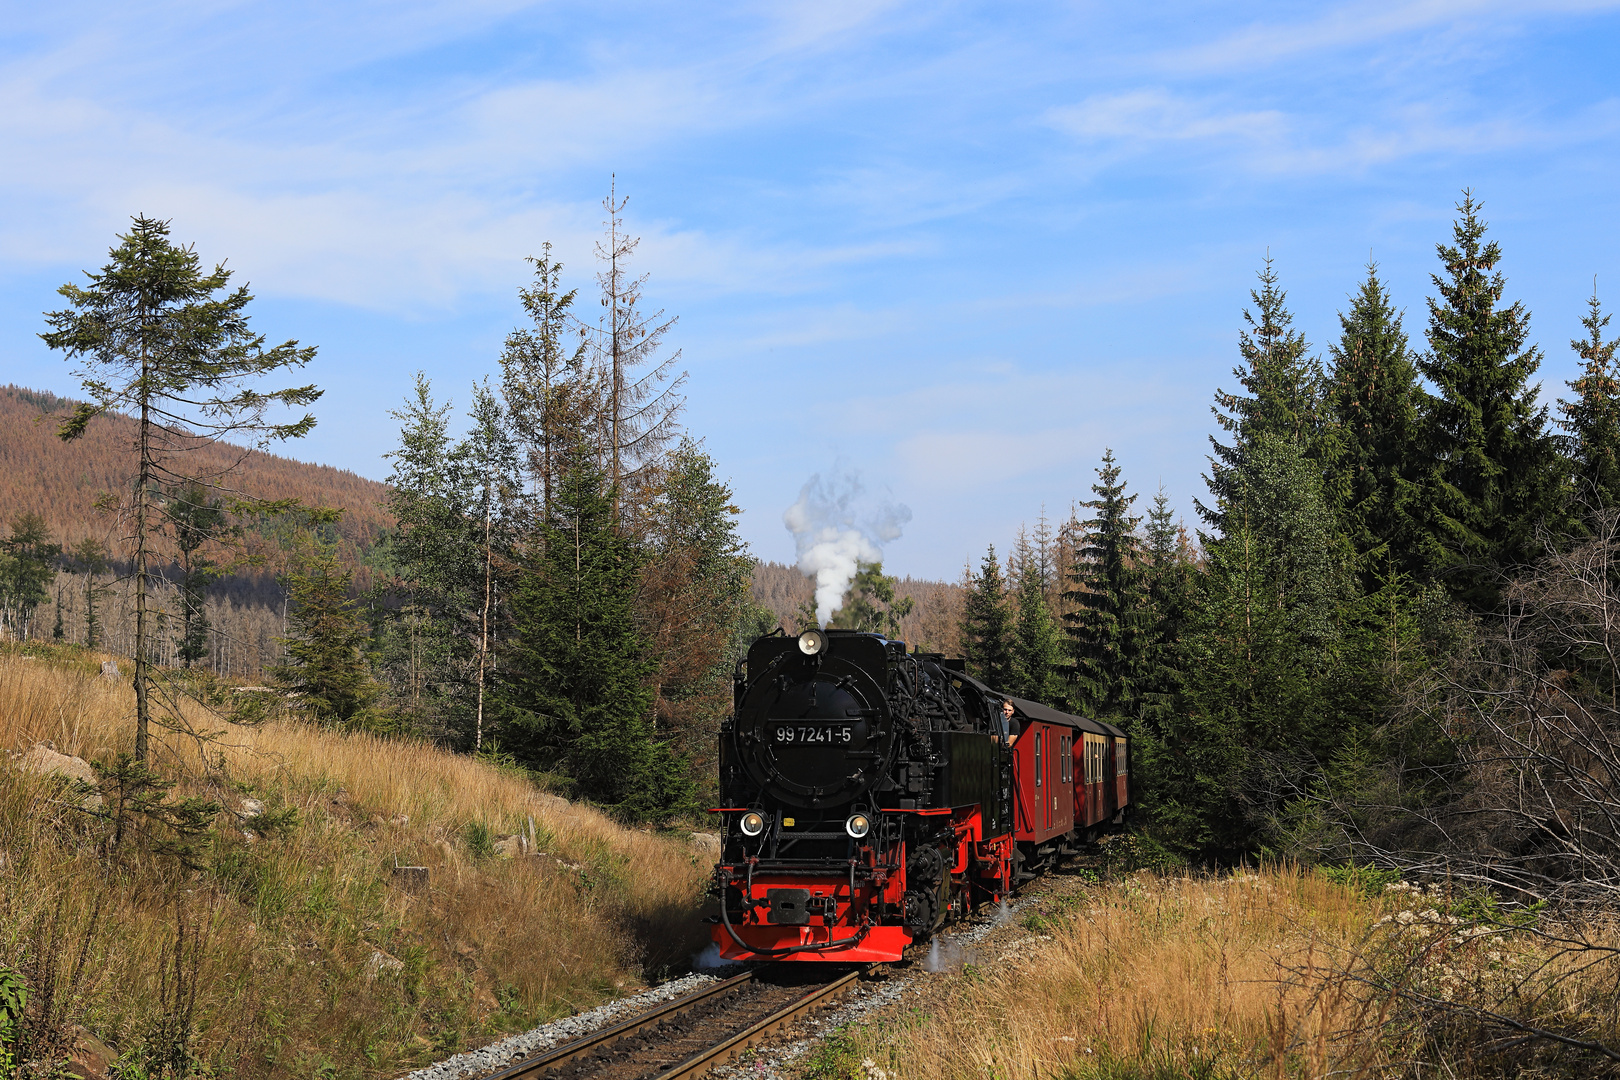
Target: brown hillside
[60,481]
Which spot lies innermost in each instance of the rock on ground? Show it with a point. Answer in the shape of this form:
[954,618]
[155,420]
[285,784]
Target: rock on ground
[43,760]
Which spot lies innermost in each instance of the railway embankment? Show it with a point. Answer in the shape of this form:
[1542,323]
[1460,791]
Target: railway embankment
[284,901]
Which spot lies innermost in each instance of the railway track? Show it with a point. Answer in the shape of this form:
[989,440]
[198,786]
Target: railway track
[690,1035]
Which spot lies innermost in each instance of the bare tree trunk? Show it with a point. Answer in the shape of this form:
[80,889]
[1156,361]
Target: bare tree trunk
[616,387]
[142,483]
[483,632]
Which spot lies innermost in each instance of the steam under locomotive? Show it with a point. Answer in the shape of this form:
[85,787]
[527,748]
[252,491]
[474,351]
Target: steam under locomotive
[869,795]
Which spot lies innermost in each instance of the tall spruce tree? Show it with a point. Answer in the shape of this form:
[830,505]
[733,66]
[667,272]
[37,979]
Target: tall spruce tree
[161,341]
[575,691]
[434,567]
[986,625]
[1281,390]
[1262,639]
[1107,629]
[1171,578]
[1037,643]
[1591,422]
[1494,473]
[548,388]
[1373,467]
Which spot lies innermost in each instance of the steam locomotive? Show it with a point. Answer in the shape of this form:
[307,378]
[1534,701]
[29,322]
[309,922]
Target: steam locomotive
[869,795]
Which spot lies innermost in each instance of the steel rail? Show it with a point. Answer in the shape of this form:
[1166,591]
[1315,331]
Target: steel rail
[586,1044]
[702,1062]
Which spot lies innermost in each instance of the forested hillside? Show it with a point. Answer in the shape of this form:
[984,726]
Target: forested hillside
[60,481]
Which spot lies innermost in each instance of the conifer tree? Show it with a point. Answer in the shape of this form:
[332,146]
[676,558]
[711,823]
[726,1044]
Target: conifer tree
[432,563]
[1592,421]
[1262,639]
[986,626]
[485,471]
[27,565]
[640,399]
[1170,588]
[1037,648]
[156,342]
[1373,468]
[89,558]
[548,389]
[1494,475]
[196,519]
[327,667]
[575,691]
[1106,629]
[695,597]
[870,605]
[1281,390]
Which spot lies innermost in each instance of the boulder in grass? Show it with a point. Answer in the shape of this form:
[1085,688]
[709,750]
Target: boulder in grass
[92,1058]
[380,963]
[706,844]
[509,847]
[43,760]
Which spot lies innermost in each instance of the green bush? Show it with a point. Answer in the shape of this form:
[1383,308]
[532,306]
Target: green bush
[1364,878]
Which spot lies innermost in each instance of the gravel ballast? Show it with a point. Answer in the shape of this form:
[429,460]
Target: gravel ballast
[508,1051]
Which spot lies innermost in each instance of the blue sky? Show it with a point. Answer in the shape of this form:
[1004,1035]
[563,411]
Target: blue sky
[962,247]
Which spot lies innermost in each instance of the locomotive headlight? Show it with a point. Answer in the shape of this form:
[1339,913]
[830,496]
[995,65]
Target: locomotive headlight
[752,823]
[858,825]
[812,643]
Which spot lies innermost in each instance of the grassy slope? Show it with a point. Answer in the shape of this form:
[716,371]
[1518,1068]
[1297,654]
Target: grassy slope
[290,982]
[1254,974]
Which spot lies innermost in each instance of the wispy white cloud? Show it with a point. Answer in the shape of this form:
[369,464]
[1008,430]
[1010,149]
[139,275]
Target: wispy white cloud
[1347,26]
[1271,141]
[1155,114]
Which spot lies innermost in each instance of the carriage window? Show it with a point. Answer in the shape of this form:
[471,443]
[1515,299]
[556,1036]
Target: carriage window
[1119,757]
[1038,741]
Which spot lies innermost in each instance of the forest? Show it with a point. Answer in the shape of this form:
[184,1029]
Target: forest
[1390,638]
[1387,637]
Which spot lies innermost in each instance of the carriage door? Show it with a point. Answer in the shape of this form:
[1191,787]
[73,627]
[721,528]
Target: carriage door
[1040,790]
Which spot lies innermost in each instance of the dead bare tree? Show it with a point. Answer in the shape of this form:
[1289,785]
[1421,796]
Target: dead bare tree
[642,399]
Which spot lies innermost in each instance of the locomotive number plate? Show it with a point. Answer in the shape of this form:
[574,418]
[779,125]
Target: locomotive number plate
[815,733]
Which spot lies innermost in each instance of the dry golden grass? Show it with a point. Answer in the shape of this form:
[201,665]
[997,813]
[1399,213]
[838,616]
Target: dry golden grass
[1241,976]
[1179,969]
[299,975]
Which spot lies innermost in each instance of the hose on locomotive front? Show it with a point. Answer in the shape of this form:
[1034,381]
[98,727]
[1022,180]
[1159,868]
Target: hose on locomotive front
[830,946]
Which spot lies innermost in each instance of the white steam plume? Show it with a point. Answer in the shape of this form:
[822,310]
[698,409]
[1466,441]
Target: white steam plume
[835,531]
